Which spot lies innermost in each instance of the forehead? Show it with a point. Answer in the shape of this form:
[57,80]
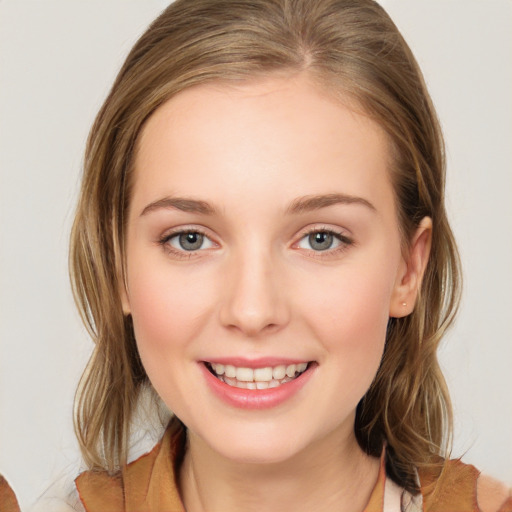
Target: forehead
[276,133]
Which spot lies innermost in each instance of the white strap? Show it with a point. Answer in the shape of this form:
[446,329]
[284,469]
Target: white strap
[397,499]
[392,497]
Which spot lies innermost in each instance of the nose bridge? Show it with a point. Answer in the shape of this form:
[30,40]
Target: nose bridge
[254,298]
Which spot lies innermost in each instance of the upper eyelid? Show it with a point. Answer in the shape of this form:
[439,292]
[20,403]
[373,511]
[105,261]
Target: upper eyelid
[169,233]
[324,230]
[342,232]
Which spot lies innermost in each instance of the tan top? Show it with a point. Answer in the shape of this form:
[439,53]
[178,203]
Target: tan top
[148,484]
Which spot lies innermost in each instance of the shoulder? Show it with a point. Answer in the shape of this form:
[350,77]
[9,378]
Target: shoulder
[462,486]
[149,477]
[105,492]
[98,489]
[493,495]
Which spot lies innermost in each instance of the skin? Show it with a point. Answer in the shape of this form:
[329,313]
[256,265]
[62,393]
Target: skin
[258,288]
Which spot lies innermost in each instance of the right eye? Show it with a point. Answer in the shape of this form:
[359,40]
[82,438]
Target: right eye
[324,240]
[188,241]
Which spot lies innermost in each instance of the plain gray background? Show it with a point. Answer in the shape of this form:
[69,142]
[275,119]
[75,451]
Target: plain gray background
[57,61]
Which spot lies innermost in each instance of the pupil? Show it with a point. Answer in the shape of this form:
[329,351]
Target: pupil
[320,241]
[191,241]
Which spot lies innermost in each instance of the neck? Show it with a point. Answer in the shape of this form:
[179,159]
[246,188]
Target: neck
[334,474]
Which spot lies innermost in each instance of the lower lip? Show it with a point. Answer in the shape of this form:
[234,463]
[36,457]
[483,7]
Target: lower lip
[256,398]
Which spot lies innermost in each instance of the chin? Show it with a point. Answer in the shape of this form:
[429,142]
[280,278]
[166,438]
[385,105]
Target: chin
[256,445]
[260,454]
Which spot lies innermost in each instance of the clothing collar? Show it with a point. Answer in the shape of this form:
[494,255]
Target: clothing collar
[150,483]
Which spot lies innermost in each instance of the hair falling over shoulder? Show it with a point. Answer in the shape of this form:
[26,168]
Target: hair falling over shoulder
[352,49]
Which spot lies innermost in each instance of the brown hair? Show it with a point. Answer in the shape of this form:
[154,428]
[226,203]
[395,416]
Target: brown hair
[353,48]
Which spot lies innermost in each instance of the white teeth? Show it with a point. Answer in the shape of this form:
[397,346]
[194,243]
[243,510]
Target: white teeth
[301,367]
[245,385]
[245,374]
[290,370]
[257,378]
[263,374]
[279,372]
[230,381]
[230,371]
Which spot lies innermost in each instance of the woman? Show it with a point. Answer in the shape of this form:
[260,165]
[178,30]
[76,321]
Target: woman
[261,241]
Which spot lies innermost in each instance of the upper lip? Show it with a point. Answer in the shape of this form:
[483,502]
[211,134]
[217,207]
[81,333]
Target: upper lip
[260,362]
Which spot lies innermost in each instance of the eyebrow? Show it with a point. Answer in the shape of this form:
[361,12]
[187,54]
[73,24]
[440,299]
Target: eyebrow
[312,203]
[180,203]
[299,205]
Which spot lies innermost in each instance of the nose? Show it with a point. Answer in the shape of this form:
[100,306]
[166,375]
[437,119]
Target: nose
[254,296]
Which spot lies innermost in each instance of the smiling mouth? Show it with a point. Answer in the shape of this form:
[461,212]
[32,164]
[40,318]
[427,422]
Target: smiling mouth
[256,378]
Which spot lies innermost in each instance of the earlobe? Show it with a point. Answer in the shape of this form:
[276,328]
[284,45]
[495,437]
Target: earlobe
[411,271]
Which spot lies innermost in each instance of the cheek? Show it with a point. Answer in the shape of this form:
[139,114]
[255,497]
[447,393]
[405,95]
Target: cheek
[168,309]
[353,336]
[354,300]
[349,313]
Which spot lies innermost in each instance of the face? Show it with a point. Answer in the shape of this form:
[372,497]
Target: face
[263,262]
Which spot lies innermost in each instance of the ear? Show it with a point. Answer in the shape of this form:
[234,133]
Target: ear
[411,270]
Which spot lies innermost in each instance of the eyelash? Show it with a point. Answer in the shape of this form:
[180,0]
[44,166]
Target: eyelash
[345,242]
[183,254]
[342,238]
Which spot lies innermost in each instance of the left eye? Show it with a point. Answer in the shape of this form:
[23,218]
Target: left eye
[190,241]
[321,241]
